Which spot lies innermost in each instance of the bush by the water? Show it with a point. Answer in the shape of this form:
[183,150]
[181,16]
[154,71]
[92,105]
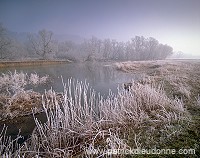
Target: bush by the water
[15,99]
[12,83]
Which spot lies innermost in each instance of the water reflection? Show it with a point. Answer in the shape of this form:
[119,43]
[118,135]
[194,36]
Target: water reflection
[100,77]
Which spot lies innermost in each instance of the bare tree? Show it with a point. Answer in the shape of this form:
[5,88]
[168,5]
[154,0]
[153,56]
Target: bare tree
[165,51]
[107,48]
[151,46]
[138,44]
[42,44]
[92,47]
[5,42]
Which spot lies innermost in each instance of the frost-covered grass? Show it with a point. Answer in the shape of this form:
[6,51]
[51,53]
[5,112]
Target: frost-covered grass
[142,117]
[35,79]
[12,83]
[15,98]
[175,73]
[180,79]
[198,100]
[164,66]
[153,113]
[9,147]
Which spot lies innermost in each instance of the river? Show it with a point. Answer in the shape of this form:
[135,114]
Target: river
[102,77]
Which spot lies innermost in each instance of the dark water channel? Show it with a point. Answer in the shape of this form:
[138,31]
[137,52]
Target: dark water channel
[100,76]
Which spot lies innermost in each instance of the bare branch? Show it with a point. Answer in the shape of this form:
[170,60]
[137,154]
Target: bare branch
[42,45]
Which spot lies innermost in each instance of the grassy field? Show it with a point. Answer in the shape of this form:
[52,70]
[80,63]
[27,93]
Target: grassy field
[160,111]
[179,79]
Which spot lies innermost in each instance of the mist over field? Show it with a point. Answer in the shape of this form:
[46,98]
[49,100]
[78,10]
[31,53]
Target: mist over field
[99,24]
[45,46]
[22,46]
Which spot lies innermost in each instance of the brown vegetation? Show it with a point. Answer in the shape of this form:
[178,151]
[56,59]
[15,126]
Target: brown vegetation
[180,79]
[17,101]
[150,114]
[31,62]
[139,118]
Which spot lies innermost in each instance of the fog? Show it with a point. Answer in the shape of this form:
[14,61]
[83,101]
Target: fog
[44,45]
[172,23]
[79,76]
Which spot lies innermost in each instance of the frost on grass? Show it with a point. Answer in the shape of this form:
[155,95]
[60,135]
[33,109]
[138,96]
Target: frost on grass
[174,73]
[162,66]
[35,79]
[9,148]
[15,99]
[142,117]
[179,85]
[15,82]
[198,101]
[11,83]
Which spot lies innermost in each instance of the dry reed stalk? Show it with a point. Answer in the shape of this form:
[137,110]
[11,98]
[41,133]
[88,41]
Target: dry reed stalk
[198,100]
[83,119]
[9,148]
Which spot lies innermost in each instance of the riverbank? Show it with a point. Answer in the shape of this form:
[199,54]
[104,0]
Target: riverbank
[159,111]
[15,99]
[180,80]
[31,62]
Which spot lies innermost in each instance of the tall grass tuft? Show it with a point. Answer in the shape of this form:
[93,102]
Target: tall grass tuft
[142,117]
[9,148]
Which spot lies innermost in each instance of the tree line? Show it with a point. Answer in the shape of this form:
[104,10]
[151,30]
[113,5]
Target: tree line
[43,46]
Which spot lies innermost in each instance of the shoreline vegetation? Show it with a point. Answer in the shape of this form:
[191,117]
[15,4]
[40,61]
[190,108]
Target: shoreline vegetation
[179,79]
[15,99]
[31,62]
[162,111]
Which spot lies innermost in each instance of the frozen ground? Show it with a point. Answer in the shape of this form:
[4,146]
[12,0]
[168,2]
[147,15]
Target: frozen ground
[161,110]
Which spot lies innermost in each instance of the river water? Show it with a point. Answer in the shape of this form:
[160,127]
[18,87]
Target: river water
[101,77]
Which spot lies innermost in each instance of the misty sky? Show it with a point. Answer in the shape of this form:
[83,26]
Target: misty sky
[172,22]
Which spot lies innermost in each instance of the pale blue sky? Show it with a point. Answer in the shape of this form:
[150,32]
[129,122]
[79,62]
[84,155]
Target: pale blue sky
[172,22]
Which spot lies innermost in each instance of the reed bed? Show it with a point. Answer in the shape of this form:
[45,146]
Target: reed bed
[80,121]
[143,117]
